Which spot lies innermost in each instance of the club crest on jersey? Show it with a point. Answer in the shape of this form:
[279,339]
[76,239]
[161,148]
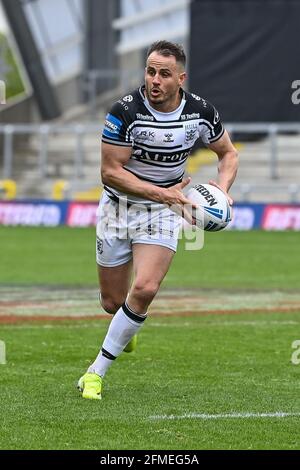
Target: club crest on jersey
[190,132]
[190,135]
[168,137]
[99,246]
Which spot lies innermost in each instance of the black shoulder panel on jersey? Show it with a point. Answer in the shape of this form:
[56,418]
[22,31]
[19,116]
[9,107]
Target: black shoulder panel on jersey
[209,117]
[119,118]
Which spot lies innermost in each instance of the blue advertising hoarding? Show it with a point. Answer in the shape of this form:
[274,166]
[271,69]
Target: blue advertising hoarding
[33,213]
[83,214]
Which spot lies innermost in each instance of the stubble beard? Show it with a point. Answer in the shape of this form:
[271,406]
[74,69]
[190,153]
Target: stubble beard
[159,100]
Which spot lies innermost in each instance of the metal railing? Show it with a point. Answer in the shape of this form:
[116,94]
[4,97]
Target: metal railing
[269,131]
[114,81]
[244,192]
[44,131]
[272,130]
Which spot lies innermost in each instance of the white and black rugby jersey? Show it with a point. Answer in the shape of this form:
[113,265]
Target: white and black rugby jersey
[161,142]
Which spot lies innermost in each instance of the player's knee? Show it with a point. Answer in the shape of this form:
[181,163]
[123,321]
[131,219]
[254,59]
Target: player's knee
[110,305]
[145,290]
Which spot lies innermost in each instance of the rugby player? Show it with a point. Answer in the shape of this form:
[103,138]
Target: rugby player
[147,139]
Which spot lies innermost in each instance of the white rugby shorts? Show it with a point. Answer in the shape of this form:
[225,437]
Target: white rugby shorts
[120,225]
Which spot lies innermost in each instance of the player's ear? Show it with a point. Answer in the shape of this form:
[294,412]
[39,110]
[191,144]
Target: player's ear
[182,78]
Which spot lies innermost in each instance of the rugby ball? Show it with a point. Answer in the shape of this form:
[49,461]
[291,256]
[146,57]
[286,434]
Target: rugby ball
[214,212]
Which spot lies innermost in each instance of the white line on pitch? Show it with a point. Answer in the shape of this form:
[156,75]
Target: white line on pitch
[226,323]
[46,326]
[205,416]
[25,326]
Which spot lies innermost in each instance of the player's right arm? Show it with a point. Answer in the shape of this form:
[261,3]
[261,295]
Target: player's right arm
[113,174]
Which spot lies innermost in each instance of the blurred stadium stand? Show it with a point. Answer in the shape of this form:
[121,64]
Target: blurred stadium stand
[71,152]
[93,51]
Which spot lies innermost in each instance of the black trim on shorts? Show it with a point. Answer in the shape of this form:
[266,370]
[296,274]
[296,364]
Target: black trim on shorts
[116,199]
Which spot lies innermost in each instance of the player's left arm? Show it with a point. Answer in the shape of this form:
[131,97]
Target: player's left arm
[228,163]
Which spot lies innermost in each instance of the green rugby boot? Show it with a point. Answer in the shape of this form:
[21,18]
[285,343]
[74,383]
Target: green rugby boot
[90,385]
[131,346]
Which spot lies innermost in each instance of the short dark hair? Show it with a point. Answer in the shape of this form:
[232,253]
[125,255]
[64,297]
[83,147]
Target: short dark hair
[167,48]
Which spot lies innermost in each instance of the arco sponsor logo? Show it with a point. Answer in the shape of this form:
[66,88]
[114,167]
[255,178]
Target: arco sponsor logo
[176,157]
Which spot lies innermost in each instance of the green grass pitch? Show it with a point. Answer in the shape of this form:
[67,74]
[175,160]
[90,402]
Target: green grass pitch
[219,379]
